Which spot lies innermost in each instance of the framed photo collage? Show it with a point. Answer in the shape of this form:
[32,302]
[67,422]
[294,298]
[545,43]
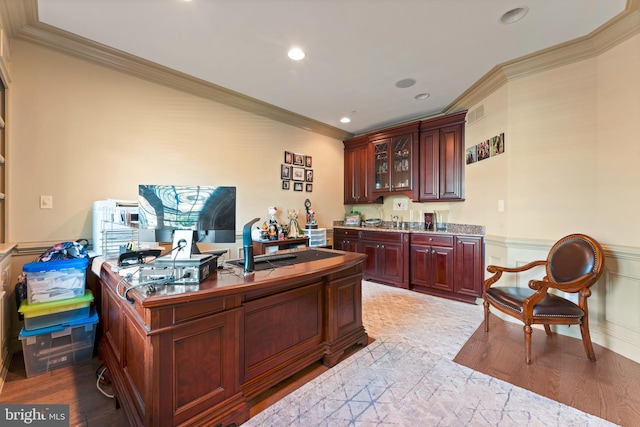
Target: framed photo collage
[297,171]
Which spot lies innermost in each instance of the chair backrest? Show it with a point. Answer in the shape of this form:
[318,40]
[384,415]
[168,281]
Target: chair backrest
[574,256]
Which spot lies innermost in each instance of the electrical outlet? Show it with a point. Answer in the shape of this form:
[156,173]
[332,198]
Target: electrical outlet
[46,202]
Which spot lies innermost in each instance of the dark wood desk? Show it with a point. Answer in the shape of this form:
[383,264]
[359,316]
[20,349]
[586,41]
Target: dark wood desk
[260,247]
[198,357]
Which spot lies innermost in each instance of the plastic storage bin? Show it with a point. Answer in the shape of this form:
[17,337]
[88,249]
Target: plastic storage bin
[50,348]
[53,313]
[55,280]
[317,236]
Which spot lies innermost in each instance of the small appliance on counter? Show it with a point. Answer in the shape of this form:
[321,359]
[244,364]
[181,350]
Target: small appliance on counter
[372,222]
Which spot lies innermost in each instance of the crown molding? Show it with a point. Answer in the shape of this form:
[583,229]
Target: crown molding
[19,19]
[622,27]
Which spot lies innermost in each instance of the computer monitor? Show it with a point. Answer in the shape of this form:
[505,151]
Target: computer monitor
[210,211]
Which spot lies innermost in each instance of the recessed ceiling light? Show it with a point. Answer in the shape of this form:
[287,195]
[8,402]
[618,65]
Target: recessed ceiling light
[345,120]
[405,83]
[422,96]
[514,15]
[296,54]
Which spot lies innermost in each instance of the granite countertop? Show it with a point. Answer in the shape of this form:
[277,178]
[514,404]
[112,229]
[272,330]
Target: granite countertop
[417,227]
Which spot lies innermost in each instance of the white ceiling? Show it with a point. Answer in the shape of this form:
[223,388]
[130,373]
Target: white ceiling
[356,49]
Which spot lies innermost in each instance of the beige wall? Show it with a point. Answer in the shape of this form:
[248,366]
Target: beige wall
[81,132]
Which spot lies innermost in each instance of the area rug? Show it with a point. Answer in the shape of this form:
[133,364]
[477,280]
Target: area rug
[407,376]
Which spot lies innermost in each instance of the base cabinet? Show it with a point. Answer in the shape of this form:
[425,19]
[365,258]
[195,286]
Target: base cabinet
[469,268]
[345,239]
[385,257]
[432,263]
[447,265]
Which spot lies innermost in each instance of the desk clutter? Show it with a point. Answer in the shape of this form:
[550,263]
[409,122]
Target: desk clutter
[59,320]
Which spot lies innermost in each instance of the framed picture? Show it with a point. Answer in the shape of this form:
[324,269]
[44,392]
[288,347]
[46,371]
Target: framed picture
[288,157]
[297,173]
[352,219]
[297,186]
[285,172]
[472,155]
[308,161]
[309,175]
[285,185]
[308,188]
[298,159]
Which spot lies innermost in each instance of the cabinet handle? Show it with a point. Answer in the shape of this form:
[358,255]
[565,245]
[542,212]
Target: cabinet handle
[431,239]
[433,252]
[382,246]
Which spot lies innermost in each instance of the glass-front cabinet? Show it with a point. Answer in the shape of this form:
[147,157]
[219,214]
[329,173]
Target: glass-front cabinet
[395,164]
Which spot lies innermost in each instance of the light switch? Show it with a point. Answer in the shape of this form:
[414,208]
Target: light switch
[500,205]
[46,202]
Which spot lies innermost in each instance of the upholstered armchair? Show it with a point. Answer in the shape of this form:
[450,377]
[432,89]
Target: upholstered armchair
[573,265]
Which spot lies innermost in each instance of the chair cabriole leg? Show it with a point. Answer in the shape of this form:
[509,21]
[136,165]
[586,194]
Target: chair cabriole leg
[486,316]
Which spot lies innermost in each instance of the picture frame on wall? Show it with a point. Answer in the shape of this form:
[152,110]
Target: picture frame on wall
[285,172]
[286,185]
[297,173]
[298,159]
[297,186]
[308,188]
[288,157]
[308,161]
[308,175]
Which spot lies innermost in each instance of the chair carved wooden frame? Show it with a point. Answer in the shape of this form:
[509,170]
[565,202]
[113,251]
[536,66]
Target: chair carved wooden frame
[573,265]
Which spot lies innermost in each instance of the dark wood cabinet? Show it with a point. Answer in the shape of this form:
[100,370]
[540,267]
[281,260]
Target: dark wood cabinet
[345,239]
[469,255]
[446,265]
[357,171]
[386,257]
[432,262]
[395,161]
[442,158]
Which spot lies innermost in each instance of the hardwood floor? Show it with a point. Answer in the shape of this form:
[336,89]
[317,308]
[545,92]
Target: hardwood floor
[74,385]
[608,388]
[560,370]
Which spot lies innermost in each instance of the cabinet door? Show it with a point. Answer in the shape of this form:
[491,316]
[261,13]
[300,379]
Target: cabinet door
[451,169]
[401,177]
[429,165]
[372,263]
[420,265]
[356,174]
[391,265]
[381,172]
[344,244]
[442,268]
[469,265]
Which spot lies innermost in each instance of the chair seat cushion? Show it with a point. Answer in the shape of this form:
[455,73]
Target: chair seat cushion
[550,306]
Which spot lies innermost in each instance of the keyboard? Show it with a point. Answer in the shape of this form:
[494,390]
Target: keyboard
[272,258]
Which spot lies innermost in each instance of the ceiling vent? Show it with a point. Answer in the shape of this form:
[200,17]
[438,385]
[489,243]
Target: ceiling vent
[475,114]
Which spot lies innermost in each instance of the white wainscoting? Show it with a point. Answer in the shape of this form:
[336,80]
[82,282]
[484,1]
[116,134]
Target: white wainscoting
[614,306]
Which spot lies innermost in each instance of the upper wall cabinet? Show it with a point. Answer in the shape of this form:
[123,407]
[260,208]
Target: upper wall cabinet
[395,161]
[421,160]
[442,158]
[357,171]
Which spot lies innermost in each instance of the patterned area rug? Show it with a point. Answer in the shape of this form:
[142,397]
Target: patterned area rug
[407,376]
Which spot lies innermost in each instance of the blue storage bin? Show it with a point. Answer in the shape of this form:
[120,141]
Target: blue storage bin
[55,280]
[50,348]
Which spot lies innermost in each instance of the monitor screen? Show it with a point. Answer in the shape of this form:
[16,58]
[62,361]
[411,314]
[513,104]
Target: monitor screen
[208,210]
